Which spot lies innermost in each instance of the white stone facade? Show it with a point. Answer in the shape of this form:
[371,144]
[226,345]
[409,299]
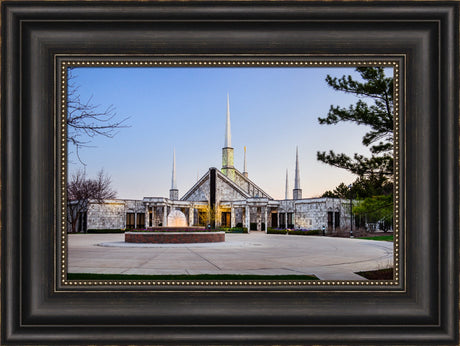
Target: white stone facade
[112,213]
[199,192]
[233,205]
[316,213]
[226,192]
[231,197]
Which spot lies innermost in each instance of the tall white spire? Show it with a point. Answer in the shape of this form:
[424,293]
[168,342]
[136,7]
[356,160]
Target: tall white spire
[287,186]
[228,134]
[297,192]
[227,151]
[174,192]
[245,171]
[297,169]
[173,180]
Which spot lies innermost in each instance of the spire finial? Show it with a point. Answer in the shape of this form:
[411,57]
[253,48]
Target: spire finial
[173,180]
[245,171]
[297,169]
[287,185]
[227,150]
[174,192]
[245,166]
[297,192]
[228,134]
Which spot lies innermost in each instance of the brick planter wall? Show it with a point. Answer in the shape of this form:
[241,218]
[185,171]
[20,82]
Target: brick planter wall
[172,229]
[174,237]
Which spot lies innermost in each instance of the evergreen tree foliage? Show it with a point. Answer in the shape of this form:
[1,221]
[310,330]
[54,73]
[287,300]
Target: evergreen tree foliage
[373,109]
[376,209]
[363,187]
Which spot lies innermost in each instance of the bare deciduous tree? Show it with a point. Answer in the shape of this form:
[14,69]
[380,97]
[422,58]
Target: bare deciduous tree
[86,120]
[81,190]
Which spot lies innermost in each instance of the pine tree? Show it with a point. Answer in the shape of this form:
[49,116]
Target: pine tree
[363,187]
[373,109]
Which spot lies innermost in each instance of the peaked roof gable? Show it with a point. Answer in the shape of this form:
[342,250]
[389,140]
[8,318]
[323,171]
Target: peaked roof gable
[233,185]
[195,187]
[243,186]
[251,186]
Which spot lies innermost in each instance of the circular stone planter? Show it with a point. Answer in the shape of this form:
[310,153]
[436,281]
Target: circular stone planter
[171,229]
[174,237]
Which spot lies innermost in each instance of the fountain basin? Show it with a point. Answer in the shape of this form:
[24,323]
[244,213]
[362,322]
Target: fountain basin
[174,237]
[172,229]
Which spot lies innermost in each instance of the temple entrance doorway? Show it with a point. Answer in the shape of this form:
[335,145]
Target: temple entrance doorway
[274,220]
[225,222]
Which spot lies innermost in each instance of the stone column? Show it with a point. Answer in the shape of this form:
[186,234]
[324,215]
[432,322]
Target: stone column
[191,212]
[146,217]
[259,219]
[333,219]
[293,217]
[165,215]
[153,215]
[266,219]
[135,220]
[247,217]
[286,220]
[232,216]
[277,219]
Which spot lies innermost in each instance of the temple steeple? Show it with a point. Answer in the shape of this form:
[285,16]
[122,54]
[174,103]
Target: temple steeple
[245,171]
[287,186]
[174,192]
[297,192]
[227,151]
[228,133]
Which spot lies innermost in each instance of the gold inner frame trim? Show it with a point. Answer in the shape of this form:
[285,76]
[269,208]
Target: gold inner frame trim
[67,61]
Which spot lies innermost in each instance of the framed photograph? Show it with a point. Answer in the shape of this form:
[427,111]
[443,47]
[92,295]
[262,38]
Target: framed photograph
[183,173]
[228,224]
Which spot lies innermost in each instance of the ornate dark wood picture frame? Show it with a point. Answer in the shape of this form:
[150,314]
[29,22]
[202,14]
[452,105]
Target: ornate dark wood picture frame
[39,306]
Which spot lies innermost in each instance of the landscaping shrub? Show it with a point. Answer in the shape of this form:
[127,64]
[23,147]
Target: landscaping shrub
[234,229]
[342,233]
[106,231]
[276,231]
[238,230]
[305,232]
[294,231]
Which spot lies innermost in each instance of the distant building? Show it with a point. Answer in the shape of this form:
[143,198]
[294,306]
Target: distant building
[222,198]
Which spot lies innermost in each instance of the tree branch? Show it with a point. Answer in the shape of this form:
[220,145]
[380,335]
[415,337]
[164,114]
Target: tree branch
[86,119]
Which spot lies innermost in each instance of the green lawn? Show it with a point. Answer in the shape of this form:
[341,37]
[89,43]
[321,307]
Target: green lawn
[88,276]
[381,237]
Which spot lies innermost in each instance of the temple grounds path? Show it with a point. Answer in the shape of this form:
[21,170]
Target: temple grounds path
[255,253]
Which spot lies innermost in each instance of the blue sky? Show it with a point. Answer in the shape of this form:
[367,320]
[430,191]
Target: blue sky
[272,111]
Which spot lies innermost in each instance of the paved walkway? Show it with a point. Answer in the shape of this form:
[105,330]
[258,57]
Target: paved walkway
[254,253]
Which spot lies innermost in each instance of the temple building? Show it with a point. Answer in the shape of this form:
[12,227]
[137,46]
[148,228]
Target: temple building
[222,197]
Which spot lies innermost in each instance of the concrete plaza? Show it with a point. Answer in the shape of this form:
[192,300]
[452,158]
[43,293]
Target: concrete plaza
[254,253]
